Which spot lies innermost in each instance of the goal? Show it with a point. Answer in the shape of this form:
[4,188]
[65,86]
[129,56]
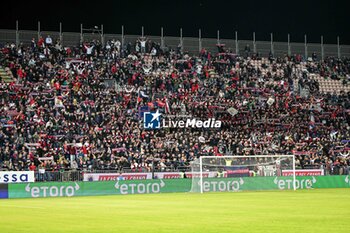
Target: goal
[236,173]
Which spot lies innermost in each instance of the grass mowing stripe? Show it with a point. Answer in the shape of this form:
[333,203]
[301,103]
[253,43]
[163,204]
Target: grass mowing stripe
[319,210]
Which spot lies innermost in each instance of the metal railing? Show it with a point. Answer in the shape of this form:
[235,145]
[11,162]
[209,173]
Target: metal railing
[190,44]
[78,175]
[59,176]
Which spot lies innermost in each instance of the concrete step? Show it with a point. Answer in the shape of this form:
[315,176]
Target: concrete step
[7,80]
[6,77]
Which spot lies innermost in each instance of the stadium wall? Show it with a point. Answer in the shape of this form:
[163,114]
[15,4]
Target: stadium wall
[69,189]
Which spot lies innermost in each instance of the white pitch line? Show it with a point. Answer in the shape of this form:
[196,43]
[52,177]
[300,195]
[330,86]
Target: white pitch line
[26,207]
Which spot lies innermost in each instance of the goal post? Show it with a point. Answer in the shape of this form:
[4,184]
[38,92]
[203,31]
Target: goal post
[249,172]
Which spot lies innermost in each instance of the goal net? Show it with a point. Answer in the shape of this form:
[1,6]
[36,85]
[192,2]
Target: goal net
[236,173]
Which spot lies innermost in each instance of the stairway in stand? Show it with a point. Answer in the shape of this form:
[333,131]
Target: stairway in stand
[6,75]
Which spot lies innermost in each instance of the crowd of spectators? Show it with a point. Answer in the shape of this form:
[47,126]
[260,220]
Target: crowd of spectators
[80,107]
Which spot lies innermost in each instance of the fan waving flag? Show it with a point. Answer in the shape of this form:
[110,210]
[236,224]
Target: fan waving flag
[143,95]
[160,103]
[167,107]
[312,122]
[270,101]
[232,111]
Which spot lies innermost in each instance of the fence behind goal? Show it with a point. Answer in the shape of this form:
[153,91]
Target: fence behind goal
[229,173]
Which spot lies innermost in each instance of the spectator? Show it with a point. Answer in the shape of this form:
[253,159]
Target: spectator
[32,167]
[143,44]
[48,40]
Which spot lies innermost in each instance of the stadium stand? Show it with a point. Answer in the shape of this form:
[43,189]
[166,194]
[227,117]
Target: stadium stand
[80,107]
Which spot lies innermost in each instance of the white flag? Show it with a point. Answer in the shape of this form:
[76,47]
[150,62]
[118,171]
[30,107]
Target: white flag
[143,94]
[232,111]
[270,101]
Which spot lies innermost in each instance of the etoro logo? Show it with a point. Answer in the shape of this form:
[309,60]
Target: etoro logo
[140,188]
[52,190]
[347,180]
[222,186]
[299,184]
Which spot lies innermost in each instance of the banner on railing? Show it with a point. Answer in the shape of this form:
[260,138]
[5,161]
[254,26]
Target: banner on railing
[143,176]
[70,189]
[116,176]
[304,172]
[16,176]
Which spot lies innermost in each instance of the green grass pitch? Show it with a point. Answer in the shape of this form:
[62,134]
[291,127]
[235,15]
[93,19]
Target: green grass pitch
[305,211]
